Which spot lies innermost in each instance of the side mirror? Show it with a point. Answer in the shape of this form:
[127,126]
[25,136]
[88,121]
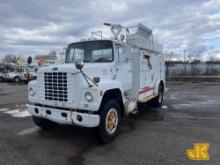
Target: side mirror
[79,64]
[29,60]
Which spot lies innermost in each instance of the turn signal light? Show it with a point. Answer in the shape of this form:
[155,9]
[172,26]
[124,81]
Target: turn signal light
[96,79]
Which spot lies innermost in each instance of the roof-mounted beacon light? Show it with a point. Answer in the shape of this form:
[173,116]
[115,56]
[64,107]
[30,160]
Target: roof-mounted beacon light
[107,24]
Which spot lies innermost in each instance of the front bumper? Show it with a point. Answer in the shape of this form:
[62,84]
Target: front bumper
[65,116]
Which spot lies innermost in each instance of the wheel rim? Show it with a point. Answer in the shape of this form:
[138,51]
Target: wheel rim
[111,121]
[16,80]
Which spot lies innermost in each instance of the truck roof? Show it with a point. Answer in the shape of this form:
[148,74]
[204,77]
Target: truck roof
[142,38]
[92,40]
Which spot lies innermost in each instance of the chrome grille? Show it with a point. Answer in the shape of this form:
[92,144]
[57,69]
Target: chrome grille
[56,86]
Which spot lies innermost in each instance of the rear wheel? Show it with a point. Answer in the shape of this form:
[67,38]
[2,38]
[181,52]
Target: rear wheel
[44,123]
[1,79]
[109,121]
[158,101]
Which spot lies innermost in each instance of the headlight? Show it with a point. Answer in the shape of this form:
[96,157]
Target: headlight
[89,96]
[31,91]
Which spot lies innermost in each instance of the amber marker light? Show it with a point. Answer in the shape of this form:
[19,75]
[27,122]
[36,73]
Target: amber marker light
[96,80]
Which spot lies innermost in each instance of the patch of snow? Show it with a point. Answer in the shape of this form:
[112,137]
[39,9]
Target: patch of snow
[3,109]
[12,111]
[18,113]
[28,131]
[22,114]
[164,107]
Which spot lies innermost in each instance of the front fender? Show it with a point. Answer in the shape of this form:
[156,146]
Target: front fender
[108,85]
[98,92]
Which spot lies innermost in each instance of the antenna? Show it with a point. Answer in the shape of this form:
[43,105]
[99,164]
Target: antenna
[116,29]
[97,33]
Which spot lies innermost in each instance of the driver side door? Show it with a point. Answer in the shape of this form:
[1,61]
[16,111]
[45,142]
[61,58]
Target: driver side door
[123,67]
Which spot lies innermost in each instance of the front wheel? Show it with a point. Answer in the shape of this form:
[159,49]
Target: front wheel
[109,121]
[44,123]
[1,79]
[17,80]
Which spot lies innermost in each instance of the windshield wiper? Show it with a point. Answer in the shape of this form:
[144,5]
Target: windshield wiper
[101,60]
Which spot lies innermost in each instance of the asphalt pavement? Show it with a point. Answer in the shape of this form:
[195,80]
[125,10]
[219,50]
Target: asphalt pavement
[190,114]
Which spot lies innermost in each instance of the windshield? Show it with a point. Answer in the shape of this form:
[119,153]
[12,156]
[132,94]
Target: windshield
[91,51]
[11,70]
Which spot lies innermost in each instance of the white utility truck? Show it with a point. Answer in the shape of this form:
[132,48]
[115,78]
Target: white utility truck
[16,74]
[101,81]
[4,76]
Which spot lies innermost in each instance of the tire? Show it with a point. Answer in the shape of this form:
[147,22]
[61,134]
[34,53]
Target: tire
[158,101]
[110,115]
[44,123]
[1,79]
[17,80]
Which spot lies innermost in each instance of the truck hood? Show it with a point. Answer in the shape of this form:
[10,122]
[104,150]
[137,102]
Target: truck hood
[91,69]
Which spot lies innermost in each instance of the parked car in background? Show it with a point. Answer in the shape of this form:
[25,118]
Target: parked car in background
[2,74]
[15,74]
[18,73]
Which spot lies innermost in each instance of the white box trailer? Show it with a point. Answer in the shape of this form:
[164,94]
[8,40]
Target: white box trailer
[101,81]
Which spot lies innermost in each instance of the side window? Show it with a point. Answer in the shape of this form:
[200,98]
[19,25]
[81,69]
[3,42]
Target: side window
[18,70]
[120,53]
[105,54]
[147,58]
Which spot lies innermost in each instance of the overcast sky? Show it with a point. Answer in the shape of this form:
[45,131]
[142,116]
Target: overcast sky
[31,27]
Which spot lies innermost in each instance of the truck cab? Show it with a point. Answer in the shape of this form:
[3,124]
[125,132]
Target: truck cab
[101,82]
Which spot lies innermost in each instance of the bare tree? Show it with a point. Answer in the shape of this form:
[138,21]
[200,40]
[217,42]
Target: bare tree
[10,58]
[211,67]
[194,61]
[168,62]
[184,62]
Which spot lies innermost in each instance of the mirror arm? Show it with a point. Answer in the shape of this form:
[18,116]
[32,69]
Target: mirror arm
[86,78]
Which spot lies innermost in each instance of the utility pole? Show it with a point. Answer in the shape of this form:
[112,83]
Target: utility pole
[184,60]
